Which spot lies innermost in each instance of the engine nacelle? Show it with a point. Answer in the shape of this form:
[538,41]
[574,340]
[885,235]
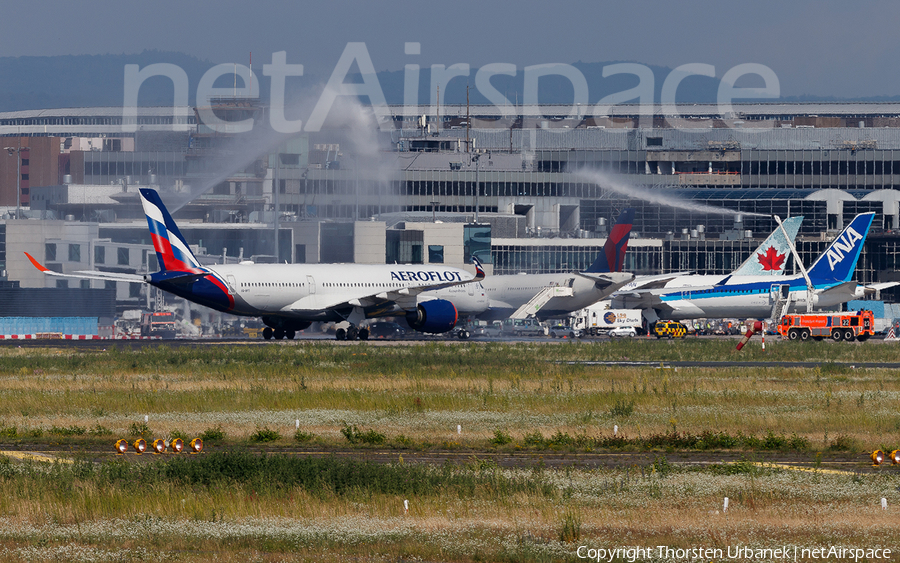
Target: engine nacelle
[437,315]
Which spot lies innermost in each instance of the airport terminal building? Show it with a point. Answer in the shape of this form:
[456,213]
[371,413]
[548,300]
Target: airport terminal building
[536,193]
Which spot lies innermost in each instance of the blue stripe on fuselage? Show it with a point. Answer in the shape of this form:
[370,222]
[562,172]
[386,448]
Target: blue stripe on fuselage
[750,288]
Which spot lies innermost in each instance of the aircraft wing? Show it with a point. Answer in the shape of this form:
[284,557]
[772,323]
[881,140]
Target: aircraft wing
[87,274]
[606,279]
[645,298]
[657,281]
[405,298]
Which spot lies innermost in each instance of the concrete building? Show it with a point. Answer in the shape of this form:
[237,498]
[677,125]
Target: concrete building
[537,193]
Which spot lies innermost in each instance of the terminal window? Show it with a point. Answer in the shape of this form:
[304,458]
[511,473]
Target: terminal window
[435,254]
[74,253]
[99,255]
[122,256]
[50,252]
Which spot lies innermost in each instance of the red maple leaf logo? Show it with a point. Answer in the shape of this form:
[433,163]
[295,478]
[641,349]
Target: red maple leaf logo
[771,260]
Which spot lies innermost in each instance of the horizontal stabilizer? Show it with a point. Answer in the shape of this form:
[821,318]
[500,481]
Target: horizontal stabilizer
[87,274]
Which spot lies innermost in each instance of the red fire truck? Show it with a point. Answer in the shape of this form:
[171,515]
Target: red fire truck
[849,326]
[161,324]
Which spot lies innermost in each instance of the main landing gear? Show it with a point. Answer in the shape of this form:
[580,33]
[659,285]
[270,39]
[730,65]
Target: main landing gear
[280,328]
[278,333]
[352,333]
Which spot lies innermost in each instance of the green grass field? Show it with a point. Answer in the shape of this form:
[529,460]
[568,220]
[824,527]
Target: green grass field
[505,397]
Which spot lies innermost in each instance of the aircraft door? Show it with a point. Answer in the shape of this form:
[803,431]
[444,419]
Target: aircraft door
[470,287]
[231,285]
[779,291]
[311,282]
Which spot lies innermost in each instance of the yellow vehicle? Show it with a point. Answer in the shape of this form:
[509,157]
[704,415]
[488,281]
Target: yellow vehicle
[669,329]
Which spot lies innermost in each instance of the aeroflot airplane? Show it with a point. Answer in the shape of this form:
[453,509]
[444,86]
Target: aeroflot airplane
[756,296]
[289,297]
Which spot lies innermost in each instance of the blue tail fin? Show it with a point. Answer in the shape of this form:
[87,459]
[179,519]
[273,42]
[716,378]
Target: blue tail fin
[612,259]
[838,262]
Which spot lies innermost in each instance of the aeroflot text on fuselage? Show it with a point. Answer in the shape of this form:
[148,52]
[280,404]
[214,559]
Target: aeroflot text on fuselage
[841,245]
[432,276]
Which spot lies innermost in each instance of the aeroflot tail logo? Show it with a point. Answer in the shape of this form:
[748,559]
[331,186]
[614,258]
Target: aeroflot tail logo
[432,276]
[841,246]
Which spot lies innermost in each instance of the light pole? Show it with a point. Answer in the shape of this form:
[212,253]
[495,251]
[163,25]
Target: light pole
[18,152]
[475,158]
[275,189]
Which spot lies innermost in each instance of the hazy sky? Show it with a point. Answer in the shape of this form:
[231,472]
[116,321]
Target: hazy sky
[821,47]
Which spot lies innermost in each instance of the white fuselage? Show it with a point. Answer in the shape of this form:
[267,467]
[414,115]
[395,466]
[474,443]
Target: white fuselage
[739,297]
[506,293]
[309,290]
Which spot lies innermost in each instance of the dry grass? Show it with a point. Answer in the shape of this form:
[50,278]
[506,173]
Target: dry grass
[422,392]
[611,508]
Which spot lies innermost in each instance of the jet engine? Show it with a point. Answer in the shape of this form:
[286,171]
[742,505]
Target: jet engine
[437,315]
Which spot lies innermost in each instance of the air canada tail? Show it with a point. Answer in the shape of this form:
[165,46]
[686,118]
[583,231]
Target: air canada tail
[612,259]
[771,256]
[838,262]
[172,250]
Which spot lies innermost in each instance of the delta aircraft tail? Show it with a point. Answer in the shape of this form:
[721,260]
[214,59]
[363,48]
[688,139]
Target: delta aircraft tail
[612,259]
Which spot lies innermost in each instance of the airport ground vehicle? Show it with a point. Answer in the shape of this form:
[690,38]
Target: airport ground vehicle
[669,329]
[622,331]
[522,327]
[849,326]
[160,324]
[599,318]
[562,330]
[385,330]
[488,329]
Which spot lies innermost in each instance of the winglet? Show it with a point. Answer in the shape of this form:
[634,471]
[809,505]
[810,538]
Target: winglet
[479,269]
[724,280]
[37,264]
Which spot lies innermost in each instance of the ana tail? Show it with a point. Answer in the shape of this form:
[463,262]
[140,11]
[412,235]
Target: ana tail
[612,259]
[838,262]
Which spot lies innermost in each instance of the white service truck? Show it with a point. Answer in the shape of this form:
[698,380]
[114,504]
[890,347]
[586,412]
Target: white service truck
[598,319]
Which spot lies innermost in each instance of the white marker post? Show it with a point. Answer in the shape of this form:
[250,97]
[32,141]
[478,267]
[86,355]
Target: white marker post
[615,429]
[405,507]
[725,505]
[883,503]
[459,428]
[146,418]
[297,424]
[764,337]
